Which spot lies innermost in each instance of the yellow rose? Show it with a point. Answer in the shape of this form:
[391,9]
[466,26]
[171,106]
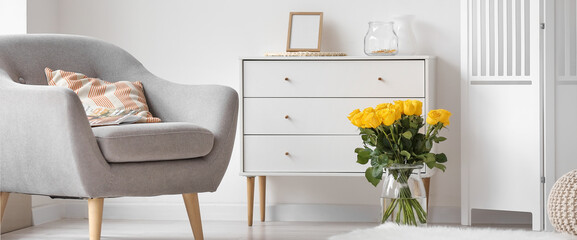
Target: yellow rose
[438,115]
[418,107]
[413,107]
[433,117]
[365,117]
[371,120]
[399,106]
[444,117]
[358,120]
[388,116]
[353,113]
[354,117]
[383,106]
[408,107]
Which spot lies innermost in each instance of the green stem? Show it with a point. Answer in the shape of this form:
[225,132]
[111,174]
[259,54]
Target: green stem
[391,142]
[405,205]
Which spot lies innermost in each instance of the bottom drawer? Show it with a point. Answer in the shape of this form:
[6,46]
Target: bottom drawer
[301,154]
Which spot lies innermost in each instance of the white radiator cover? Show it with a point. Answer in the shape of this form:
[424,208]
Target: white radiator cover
[502,150]
[518,91]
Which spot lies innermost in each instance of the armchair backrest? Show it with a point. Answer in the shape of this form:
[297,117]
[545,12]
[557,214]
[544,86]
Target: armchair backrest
[24,57]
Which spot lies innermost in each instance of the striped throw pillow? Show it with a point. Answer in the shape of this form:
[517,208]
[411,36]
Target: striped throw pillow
[94,92]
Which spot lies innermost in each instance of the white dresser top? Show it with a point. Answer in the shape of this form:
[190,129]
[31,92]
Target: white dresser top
[344,58]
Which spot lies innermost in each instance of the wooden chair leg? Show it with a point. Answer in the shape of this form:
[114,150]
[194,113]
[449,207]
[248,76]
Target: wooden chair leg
[95,207]
[250,198]
[262,192]
[4,196]
[193,210]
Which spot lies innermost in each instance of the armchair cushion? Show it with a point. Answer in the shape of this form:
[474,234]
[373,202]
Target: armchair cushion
[153,141]
[94,92]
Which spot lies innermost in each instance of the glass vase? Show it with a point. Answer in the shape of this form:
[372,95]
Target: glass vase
[404,200]
[381,39]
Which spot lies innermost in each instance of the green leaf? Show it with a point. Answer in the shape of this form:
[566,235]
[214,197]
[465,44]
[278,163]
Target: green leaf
[419,143]
[430,165]
[373,140]
[370,178]
[406,144]
[439,139]
[406,154]
[428,145]
[421,157]
[441,158]
[375,162]
[430,157]
[363,155]
[367,131]
[440,166]
[382,159]
[407,135]
[405,122]
[378,172]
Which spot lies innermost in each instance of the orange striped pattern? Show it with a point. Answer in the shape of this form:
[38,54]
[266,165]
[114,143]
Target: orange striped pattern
[96,92]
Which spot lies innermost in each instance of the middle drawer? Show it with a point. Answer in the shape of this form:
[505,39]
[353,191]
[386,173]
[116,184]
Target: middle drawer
[304,115]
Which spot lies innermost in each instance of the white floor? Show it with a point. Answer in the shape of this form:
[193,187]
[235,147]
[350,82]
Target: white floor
[176,230]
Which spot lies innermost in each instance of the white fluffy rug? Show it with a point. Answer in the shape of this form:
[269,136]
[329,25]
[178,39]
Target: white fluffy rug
[391,231]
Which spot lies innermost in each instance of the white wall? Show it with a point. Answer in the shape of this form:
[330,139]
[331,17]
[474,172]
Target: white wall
[18,209]
[200,42]
[43,16]
[12,17]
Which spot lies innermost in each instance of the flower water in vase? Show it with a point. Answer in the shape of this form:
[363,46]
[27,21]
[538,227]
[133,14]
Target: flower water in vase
[404,199]
[397,143]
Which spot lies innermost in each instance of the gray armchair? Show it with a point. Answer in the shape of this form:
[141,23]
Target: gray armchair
[47,146]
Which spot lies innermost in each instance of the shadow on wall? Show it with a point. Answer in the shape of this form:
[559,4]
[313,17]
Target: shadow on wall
[331,42]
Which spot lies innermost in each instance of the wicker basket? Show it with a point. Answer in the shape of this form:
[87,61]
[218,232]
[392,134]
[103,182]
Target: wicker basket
[562,206]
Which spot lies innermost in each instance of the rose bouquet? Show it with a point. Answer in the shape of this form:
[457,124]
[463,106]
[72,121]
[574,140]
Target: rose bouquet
[392,138]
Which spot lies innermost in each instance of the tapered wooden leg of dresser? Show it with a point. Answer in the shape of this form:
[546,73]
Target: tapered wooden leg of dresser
[250,198]
[262,192]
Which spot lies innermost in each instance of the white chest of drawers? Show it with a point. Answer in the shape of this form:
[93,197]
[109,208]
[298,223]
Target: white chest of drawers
[294,111]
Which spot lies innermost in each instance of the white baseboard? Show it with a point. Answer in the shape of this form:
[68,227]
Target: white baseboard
[237,212]
[48,213]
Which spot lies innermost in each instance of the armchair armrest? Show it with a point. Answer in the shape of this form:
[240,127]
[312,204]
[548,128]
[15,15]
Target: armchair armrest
[43,131]
[213,107]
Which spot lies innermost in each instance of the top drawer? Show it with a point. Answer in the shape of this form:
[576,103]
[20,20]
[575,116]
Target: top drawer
[361,78]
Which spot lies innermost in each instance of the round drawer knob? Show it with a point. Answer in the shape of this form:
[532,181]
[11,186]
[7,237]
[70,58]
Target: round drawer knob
[286,79]
[287,153]
[380,79]
[286,117]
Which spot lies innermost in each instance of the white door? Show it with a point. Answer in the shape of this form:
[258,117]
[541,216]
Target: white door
[502,151]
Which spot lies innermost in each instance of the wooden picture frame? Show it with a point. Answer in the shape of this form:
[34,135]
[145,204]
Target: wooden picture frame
[305,32]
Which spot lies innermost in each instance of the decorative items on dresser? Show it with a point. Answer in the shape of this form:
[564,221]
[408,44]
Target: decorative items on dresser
[293,117]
